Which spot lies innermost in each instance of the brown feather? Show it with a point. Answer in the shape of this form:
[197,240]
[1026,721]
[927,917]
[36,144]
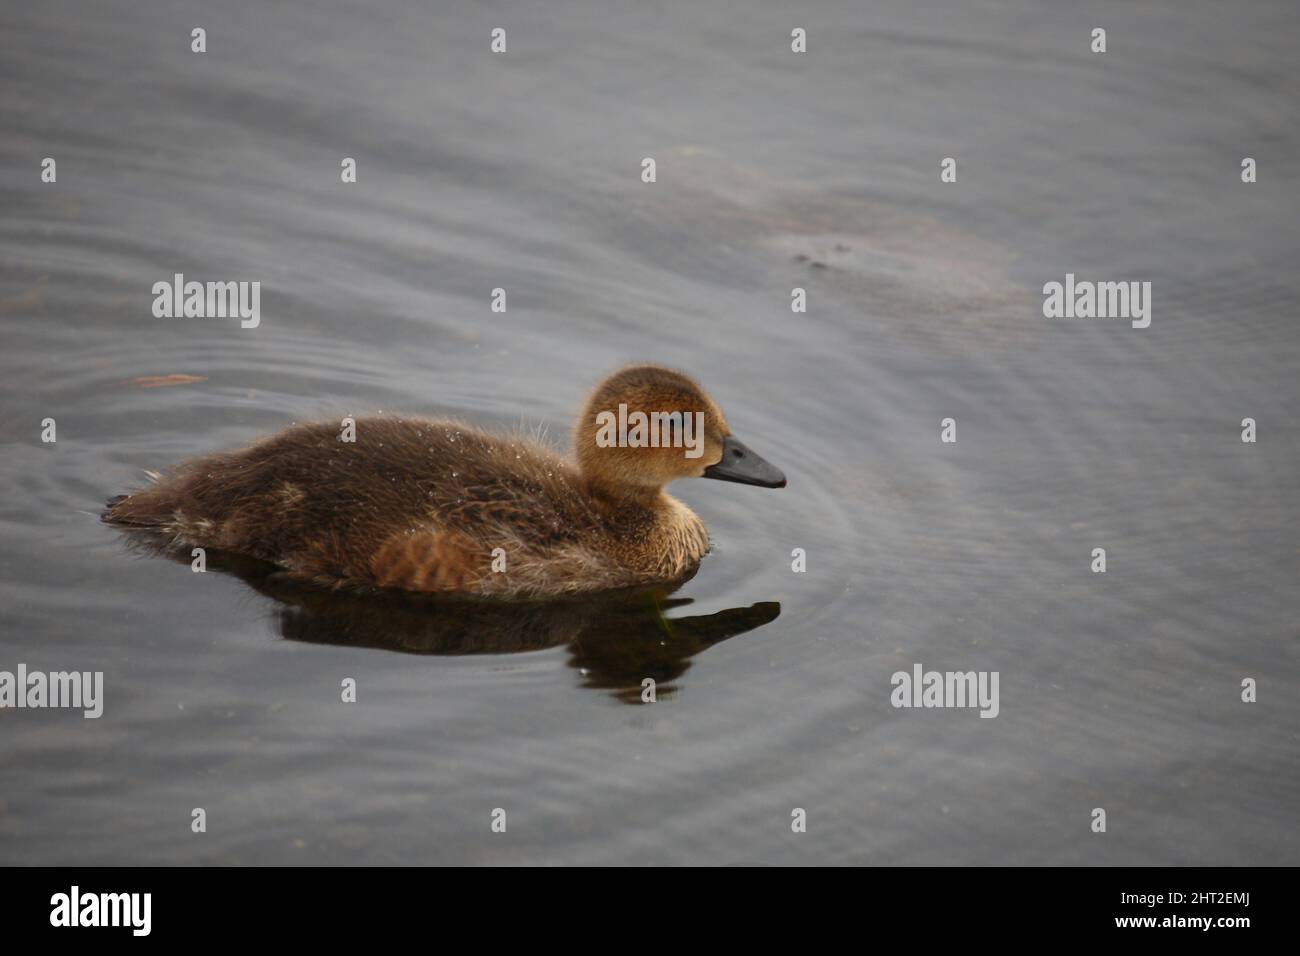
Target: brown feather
[421,505]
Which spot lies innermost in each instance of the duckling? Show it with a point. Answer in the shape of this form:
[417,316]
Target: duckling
[439,506]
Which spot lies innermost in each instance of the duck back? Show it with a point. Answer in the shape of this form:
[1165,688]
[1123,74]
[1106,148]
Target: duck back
[417,504]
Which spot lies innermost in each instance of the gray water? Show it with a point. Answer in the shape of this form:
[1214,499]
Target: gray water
[1119,690]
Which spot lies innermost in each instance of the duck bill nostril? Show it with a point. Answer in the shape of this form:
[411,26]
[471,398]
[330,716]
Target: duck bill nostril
[740,464]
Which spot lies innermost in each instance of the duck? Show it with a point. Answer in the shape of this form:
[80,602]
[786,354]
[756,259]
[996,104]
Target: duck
[440,506]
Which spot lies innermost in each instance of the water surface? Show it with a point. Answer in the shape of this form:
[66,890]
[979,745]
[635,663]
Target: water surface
[774,171]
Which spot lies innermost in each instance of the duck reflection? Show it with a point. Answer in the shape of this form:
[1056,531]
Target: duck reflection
[615,641]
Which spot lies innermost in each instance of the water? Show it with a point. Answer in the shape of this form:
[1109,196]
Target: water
[774,171]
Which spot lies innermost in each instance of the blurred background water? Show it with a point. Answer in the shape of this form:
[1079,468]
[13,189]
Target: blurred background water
[475,171]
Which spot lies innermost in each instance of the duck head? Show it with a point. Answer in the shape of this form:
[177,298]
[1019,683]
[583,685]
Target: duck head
[645,426]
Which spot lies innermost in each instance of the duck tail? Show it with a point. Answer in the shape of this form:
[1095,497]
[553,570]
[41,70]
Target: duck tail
[109,505]
[144,509]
